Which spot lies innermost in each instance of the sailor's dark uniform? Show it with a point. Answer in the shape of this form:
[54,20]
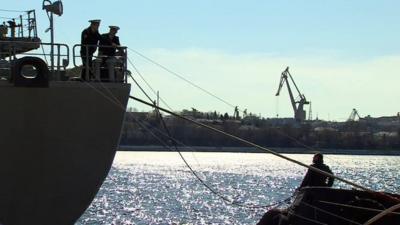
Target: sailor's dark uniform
[106,40]
[88,38]
[107,51]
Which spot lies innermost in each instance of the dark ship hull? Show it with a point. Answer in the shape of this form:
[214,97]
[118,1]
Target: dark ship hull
[57,145]
[334,207]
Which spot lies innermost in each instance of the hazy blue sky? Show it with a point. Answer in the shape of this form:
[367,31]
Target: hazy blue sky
[343,54]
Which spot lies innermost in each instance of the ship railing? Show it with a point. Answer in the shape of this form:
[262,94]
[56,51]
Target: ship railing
[101,67]
[13,48]
[18,26]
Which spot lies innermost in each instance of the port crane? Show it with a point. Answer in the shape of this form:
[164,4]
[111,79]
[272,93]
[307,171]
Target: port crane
[353,115]
[299,102]
[236,113]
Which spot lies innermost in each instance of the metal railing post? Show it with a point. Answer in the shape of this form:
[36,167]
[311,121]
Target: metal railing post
[21,33]
[35,27]
[58,77]
[87,63]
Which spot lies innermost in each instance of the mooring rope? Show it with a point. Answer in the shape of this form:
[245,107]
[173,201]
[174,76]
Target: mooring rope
[147,84]
[312,149]
[306,218]
[251,144]
[382,214]
[248,142]
[114,100]
[194,173]
[183,78]
[10,10]
[205,184]
[357,207]
[237,138]
[370,222]
[329,213]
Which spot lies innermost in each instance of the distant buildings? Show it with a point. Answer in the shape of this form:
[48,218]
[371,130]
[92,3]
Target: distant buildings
[365,133]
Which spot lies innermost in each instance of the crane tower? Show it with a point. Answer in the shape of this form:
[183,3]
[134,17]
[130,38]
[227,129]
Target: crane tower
[299,102]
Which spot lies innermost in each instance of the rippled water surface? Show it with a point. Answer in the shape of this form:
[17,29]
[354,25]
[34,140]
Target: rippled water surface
[157,188]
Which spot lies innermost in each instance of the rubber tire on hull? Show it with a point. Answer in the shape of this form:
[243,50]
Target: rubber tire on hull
[42,73]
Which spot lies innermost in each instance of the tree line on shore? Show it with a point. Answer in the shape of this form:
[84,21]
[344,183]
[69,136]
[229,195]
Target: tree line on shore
[146,128]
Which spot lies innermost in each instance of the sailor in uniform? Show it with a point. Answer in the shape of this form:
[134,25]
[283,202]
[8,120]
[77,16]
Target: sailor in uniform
[90,36]
[109,43]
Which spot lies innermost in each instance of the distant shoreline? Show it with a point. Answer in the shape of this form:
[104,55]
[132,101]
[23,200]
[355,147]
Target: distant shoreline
[254,150]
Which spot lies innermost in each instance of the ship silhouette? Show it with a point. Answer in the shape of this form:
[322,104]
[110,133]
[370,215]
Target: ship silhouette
[58,134]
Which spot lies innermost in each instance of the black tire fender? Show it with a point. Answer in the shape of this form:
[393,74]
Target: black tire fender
[41,79]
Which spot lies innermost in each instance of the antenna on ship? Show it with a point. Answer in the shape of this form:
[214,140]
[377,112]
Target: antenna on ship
[52,8]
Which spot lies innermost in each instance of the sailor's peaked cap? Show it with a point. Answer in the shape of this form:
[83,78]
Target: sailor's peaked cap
[94,21]
[114,27]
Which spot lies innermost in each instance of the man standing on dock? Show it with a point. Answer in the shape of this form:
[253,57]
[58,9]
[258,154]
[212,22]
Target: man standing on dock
[313,178]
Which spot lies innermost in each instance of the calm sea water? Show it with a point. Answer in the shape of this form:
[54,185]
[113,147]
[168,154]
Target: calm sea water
[157,188]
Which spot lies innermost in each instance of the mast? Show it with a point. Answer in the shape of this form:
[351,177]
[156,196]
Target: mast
[52,8]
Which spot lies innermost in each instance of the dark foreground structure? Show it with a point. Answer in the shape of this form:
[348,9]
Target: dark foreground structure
[321,205]
[58,134]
